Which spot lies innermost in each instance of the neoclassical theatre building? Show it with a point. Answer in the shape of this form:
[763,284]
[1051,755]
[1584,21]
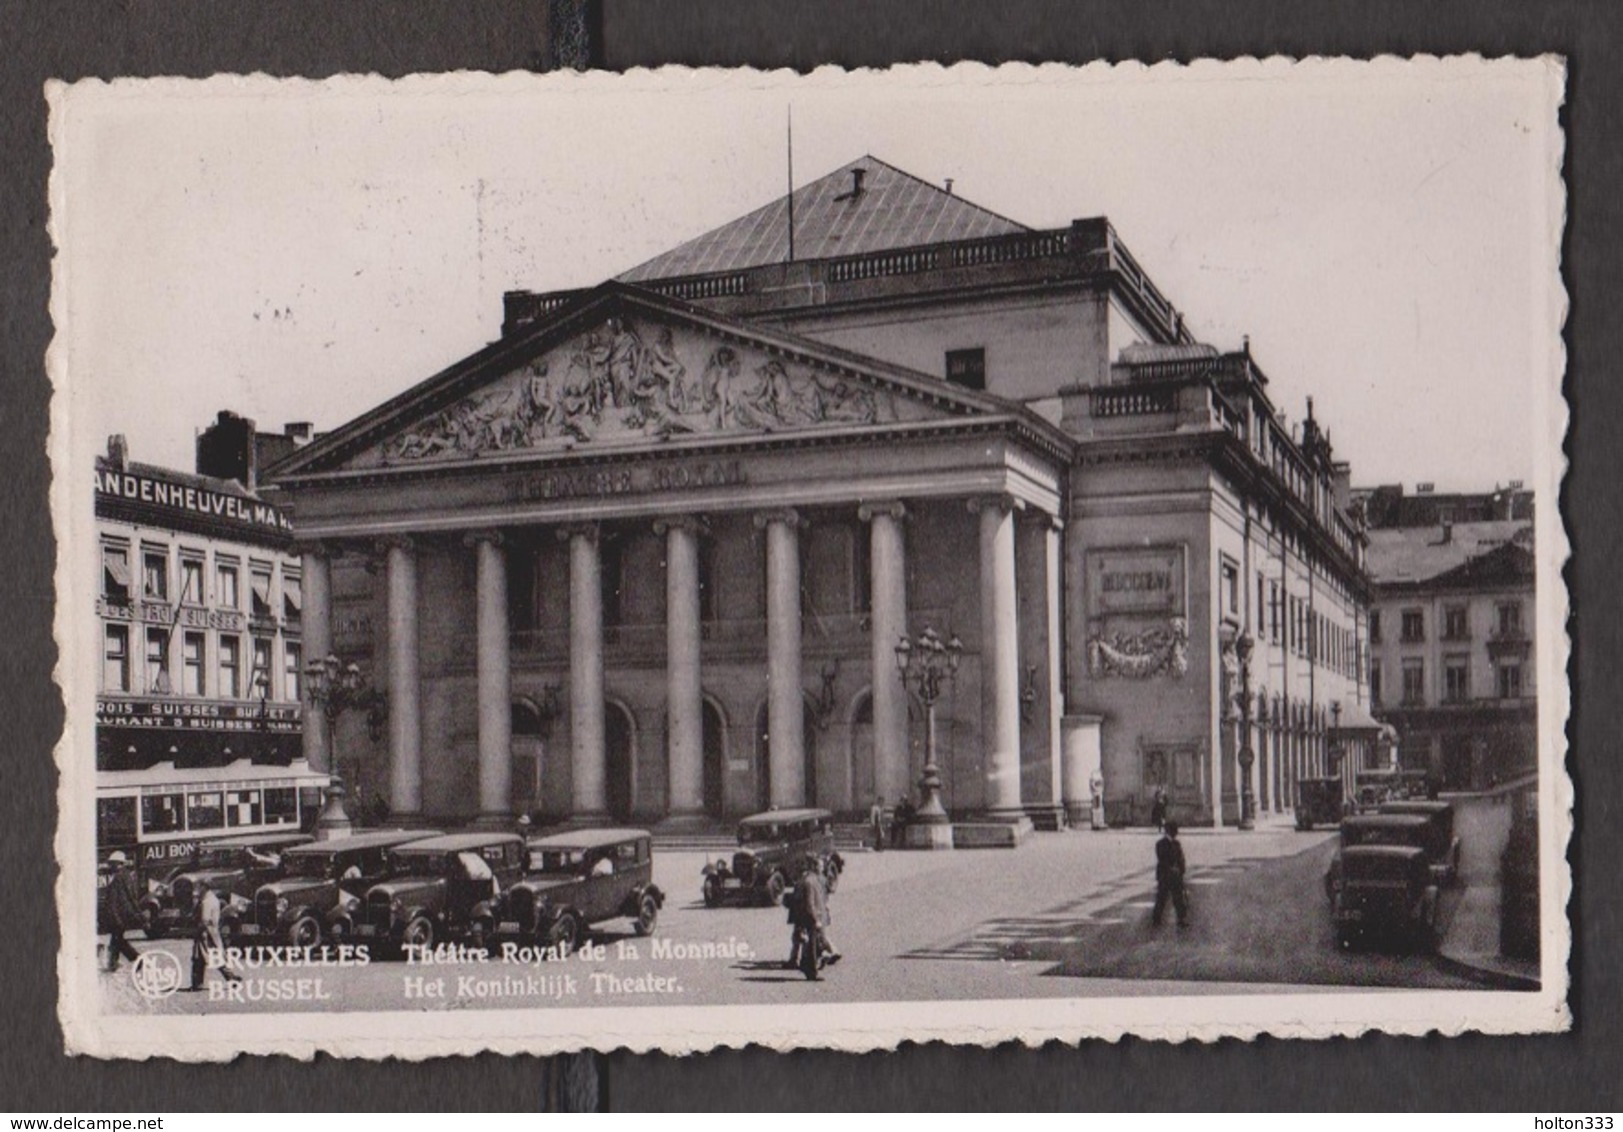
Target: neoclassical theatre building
[648,556]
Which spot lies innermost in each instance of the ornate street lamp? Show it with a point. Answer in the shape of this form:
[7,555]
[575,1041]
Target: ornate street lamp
[1248,802]
[926,663]
[333,688]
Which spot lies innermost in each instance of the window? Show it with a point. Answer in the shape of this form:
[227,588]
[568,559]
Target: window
[155,575]
[1375,626]
[1510,619]
[242,807]
[292,597]
[225,586]
[191,581]
[115,574]
[191,662]
[1456,679]
[204,811]
[1261,606]
[1414,682]
[157,668]
[260,582]
[291,667]
[1274,617]
[1231,587]
[967,367]
[281,806]
[1375,683]
[230,667]
[1414,625]
[1510,681]
[115,821]
[259,684]
[162,813]
[115,673]
[1455,625]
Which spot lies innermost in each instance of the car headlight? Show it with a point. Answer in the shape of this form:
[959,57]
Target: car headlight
[157,887]
[348,901]
[282,905]
[397,906]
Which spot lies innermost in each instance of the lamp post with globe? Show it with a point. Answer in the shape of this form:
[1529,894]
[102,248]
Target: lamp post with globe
[926,664]
[334,688]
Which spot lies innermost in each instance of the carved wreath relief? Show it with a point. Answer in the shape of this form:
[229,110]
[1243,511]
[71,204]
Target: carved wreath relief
[1139,656]
[622,381]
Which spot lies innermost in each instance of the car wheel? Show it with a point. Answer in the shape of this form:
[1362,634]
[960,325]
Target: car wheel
[482,936]
[304,932]
[711,892]
[564,933]
[776,886]
[419,933]
[647,914]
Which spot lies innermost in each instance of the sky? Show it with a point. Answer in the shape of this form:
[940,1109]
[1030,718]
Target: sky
[1385,233]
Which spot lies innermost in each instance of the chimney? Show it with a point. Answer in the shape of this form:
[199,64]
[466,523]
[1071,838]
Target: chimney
[118,451]
[949,186]
[298,431]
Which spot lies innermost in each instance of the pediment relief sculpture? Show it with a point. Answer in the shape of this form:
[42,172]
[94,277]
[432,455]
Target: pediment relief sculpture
[627,381]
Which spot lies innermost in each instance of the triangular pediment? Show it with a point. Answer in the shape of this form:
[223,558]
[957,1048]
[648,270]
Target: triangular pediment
[619,367]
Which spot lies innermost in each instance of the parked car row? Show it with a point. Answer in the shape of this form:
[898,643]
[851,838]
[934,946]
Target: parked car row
[397,888]
[1386,879]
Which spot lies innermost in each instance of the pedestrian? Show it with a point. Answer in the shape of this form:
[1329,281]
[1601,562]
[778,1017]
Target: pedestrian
[1158,809]
[810,947]
[876,821]
[121,910]
[207,940]
[903,818]
[1169,870]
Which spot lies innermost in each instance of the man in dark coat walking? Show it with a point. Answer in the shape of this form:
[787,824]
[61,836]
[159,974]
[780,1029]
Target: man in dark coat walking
[1169,870]
[121,910]
[810,947]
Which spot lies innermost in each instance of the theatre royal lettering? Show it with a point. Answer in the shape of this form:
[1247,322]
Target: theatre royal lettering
[632,480]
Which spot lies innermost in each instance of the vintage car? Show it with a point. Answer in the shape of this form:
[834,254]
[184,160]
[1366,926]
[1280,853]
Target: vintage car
[770,846]
[441,890]
[235,867]
[1441,843]
[575,880]
[321,885]
[1386,894]
[1318,802]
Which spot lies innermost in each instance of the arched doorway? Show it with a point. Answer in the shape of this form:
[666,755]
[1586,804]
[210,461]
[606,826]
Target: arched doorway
[525,792]
[865,784]
[618,738]
[763,757]
[715,761]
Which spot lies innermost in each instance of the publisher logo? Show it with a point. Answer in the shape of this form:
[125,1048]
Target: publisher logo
[156,974]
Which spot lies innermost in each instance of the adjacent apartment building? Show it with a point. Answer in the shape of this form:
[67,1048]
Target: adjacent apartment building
[198,717]
[649,555]
[1452,663]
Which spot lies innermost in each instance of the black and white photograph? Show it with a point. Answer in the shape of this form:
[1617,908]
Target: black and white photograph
[693,557]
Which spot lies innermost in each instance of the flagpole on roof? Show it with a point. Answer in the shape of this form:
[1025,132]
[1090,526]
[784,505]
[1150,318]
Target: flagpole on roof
[791,155]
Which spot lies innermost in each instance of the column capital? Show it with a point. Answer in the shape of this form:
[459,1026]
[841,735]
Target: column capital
[696,525]
[394,542]
[894,508]
[788,516]
[1042,520]
[483,534]
[1002,502]
[567,531]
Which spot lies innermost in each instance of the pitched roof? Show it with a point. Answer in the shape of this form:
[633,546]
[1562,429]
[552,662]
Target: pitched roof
[1399,555]
[893,210]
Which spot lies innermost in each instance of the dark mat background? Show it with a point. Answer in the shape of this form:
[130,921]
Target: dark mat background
[79,38]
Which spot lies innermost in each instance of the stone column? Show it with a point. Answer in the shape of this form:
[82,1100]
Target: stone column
[405,712]
[1000,662]
[495,681]
[684,711]
[316,636]
[888,586]
[785,708]
[587,755]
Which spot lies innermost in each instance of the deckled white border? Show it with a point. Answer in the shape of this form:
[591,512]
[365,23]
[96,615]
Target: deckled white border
[1205,1015]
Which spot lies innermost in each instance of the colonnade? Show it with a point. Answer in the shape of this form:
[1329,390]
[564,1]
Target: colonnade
[781,527]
